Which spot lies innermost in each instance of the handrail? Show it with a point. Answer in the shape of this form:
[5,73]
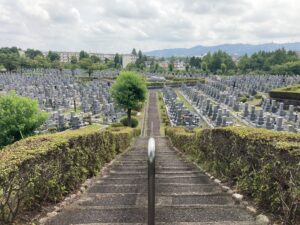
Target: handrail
[151,181]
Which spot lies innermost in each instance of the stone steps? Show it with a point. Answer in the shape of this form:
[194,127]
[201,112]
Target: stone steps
[170,214]
[132,199]
[174,223]
[184,194]
[160,188]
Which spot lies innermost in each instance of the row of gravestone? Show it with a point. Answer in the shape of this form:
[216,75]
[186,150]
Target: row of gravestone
[108,73]
[179,115]
[215,115]
[61,93]
[271,115]
[250,84]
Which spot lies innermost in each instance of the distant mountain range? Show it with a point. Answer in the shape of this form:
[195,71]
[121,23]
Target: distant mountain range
[232,49]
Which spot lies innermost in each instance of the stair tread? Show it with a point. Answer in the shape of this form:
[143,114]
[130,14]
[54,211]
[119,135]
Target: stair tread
[139,215]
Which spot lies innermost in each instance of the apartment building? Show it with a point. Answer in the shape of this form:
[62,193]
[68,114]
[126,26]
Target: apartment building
[66,57]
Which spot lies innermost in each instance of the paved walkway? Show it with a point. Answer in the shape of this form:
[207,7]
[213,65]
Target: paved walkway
[184,194]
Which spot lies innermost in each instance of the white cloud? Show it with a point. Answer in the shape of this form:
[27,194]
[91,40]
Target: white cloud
[120,25]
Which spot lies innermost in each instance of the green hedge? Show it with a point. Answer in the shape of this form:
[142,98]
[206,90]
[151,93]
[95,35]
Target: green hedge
[134,122]
[162,110]
[45,168]
[264,165]
[290,92]
[175,83]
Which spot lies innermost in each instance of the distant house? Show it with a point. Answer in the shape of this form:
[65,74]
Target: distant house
[179,65]
[164,64]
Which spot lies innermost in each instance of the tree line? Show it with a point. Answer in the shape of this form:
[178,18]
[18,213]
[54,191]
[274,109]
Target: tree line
[277,62]
[11,59]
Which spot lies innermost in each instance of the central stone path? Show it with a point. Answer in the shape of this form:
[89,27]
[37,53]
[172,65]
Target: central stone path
[184,194]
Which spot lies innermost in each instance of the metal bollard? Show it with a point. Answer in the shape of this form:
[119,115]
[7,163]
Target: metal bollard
[151,181]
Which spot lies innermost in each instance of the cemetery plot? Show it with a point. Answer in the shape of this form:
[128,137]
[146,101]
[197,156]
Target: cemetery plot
[71,103]
[99,74]
[178,113]
[243,100]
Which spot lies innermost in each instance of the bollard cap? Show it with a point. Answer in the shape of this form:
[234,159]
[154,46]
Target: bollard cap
[151,149]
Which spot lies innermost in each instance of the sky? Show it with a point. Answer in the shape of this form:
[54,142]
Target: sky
[110,26]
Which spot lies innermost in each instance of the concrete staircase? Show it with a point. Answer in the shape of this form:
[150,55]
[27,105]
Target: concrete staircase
[184,194]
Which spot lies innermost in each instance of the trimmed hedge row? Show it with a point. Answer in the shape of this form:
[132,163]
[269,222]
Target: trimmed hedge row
[264,165]
[175,83]
[162,110]
[45,168]
[290,92]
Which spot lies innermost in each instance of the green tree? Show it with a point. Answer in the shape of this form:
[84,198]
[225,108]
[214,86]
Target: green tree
[10,61]
[25,62]
[86,64]
[223,68]
[83,55]
[129,92]
[95,59]
[20,117]
[133,52]
[31,53]
[291,68]
[73,60]
[204,66]
[195,62]
[171,67]
[140,55]
[42,62]
[117,60]
[53,56]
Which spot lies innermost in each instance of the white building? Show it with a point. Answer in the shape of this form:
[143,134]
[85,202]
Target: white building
[128,58]
[66,57]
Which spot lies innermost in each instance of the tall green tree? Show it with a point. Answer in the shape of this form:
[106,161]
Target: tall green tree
[42,62]
[83,54]
[117,60]
[129,92]
[32,53]
[95,59]
[10,61]
[73,60]
[133,52]
[140,55]
[53,56]
[20,117]
[86,64]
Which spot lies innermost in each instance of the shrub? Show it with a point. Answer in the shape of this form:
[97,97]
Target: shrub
[262,164]
[20,117]
[45,168]
[243,99]
[134,122]
[258,96]
[117,125]
[176,82]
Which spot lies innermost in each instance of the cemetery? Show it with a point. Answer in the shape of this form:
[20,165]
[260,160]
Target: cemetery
[209,123]
[70,102]
[129,112]
[179,114]
[238,101]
